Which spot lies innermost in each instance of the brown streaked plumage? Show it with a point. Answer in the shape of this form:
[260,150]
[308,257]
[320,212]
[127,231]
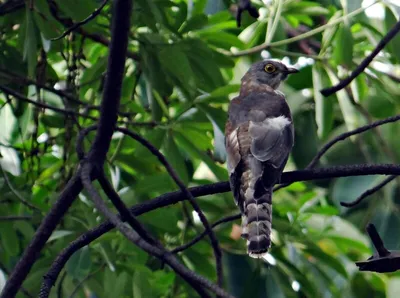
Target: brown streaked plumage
[258,139]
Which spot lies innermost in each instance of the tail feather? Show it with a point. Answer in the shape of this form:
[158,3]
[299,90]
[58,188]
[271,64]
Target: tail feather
[258,212]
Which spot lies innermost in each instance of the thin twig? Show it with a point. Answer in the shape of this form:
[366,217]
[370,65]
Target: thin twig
[87,277]
[348,134]
[43,105]
[201,236]
[364,64]
[63,94]
[15,218]
[81,23]
[16,193]
[368,192]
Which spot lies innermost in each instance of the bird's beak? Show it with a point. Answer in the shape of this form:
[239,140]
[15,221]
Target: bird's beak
[291,70]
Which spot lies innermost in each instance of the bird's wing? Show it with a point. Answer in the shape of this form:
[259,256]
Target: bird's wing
[271,140]
[259,124]
[265,118]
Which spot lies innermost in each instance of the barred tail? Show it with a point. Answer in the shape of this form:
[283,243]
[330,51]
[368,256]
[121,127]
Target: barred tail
[256,223]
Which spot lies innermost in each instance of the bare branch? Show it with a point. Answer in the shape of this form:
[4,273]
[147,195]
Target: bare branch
[369,192]
[348,134]
[364,64]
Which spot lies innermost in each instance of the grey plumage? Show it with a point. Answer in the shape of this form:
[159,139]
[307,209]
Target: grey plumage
[259,137]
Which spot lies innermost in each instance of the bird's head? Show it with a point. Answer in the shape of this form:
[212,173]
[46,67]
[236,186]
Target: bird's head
[269,72]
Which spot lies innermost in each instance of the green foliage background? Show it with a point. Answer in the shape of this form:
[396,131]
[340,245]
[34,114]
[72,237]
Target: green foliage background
[178,82]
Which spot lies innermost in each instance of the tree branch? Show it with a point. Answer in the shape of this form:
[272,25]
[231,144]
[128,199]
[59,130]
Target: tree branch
[108,118]
[215,188]
[181,185]
[197,282]
[85,21]
[369,192]
[16,217]
[43,105]
[201,236]
[364,64]
[41,236]
[348,134]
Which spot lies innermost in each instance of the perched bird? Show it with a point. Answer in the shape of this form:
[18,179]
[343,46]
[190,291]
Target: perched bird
[258,139]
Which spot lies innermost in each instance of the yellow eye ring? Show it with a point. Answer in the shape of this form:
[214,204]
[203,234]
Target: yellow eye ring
[270,68]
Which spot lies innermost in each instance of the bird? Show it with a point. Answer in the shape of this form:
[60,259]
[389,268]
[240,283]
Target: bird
[259,137]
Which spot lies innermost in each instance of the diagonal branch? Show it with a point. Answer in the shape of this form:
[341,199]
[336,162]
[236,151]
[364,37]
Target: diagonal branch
[196,281]
[202,235]
[348,134]
[43,233]
[178,181]
[81,23]
[43,105]
[364,64]
[369,192]
[196,207]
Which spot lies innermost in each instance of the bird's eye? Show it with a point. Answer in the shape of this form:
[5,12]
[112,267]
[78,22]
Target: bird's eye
[270,68]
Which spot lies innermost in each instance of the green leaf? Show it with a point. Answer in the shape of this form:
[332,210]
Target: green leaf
[172,56]
[349,112]
[56,121]
[394,45]
[141,283]
[80,263]
[75,10]
[218,118]
[9,240]
[329,33]
[323,106]
[393,287]
[59,234]
[175,158]
[162,282]
[30,42]
[48,25]
[221,39]
[219,172]
[322,257]
[343,49]
[196,22]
